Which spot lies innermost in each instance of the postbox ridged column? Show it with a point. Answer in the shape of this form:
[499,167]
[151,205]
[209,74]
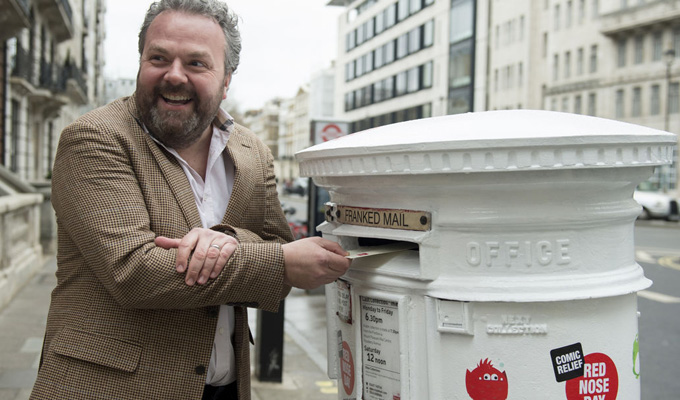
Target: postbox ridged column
[523,278]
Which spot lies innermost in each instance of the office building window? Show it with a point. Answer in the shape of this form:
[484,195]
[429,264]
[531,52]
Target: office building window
[592,104]
[414,40]
[460,100]
[496,42]
[495,80]
[639,49]
[545,44]
[673,103]
[349,101]
[581,11]
[413,78]
[676,41]
[579,61]
[567,64]
[359,66]
[655,100]
[402,46]
[402,9]
[370,28]
[593,59]
[557,17]
[595,9]
[415,6]
[388,87]
[428,34]
[567,16]
[379,57]
[426,75]
[636,111]
[577,104]
[361,34]
[565,104]
[620,112]
[520,74]
[621,46]
[349,71]
[368,62]
[389,52]
[378,92]
[657,45]
[351,40]
[460,72]
[462,12]
[556,67]
[401,83]
[380,22]
[391,16]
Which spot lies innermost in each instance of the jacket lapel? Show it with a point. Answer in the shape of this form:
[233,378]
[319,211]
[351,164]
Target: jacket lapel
[170,169]
[240,150]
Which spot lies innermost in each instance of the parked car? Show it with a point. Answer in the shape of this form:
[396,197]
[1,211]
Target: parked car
[656,205]
[297,186]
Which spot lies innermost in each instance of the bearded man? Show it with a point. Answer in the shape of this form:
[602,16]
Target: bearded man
[169,226]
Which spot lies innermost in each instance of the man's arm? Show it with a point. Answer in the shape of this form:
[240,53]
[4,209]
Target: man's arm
[101,208]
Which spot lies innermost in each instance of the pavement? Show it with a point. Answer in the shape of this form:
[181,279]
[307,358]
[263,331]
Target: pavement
[22,326]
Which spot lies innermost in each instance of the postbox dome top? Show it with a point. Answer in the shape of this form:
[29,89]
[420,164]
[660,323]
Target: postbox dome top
[490,140]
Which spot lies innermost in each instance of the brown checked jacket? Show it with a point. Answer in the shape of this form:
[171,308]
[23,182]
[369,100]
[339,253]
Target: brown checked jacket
[122,323]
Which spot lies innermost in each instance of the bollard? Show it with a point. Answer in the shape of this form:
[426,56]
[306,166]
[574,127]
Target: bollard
[493,256]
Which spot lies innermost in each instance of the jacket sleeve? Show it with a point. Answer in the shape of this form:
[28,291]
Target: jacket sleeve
[105,227]
[275,226]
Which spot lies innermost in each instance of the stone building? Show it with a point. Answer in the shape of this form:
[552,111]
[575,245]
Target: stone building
[52,71]
[406,59]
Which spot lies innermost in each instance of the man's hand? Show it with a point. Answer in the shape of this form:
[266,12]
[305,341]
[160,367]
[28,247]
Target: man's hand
[209,251]
[312,262]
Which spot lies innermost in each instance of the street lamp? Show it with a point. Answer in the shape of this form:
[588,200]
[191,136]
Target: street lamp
[669,57]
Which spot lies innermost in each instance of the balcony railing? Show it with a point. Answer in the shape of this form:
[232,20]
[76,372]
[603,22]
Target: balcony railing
[23,64]
[58,14]
[73,72]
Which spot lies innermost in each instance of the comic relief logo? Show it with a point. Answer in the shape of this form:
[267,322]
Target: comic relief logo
[600,380]
[486,382]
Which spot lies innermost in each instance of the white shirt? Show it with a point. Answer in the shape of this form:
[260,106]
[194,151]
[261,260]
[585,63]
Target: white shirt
[212,197]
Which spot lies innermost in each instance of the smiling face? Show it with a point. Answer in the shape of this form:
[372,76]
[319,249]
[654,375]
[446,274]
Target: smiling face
[181,79]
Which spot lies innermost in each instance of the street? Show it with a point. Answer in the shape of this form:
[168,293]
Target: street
[658,252]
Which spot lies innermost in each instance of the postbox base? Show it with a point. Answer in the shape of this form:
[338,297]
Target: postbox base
[389,345]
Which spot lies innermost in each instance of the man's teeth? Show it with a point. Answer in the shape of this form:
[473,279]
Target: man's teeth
[176,98]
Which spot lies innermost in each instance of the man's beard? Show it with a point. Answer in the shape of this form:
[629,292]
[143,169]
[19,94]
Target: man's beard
[176,129]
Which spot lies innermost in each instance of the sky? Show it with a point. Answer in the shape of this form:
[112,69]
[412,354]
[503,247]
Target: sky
[284,44]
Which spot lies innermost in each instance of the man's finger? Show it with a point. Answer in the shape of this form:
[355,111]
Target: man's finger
[166,242]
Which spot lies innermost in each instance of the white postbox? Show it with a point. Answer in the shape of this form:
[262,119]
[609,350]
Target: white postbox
[494,256]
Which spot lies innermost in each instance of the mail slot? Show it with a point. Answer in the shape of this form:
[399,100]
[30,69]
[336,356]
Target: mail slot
[493,256]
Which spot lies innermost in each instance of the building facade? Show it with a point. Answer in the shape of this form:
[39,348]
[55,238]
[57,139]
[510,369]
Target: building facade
[406,59]
[51,71]
[52,74]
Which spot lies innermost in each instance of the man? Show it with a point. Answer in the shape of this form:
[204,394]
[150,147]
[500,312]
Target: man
[169,226]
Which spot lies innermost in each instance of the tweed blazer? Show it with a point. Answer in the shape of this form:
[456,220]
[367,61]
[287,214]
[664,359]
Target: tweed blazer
[122,323]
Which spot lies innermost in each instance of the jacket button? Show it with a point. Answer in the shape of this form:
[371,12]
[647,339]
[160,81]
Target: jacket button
[200,370]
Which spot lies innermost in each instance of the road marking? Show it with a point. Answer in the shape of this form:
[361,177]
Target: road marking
[327,387]
[645,257]
[658,297]
[669,262]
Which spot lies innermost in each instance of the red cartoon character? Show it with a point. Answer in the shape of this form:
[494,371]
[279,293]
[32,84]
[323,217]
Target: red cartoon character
[486,382]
